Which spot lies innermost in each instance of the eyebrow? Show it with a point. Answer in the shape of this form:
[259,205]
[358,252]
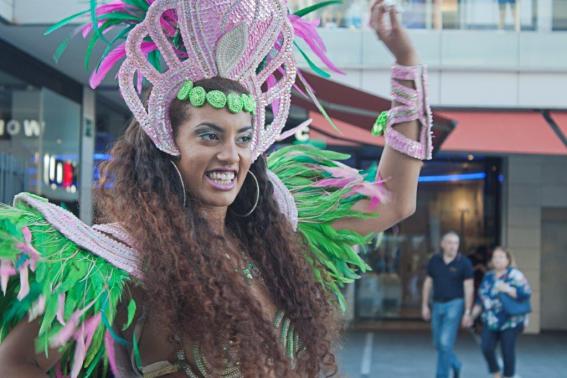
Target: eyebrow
[220,129]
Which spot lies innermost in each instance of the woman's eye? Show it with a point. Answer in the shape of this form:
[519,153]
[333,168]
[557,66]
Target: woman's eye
[209,136]
[245,139]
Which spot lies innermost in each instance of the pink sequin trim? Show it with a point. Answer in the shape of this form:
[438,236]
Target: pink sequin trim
[202,24]
[117,253]
[285,200]
[414,105]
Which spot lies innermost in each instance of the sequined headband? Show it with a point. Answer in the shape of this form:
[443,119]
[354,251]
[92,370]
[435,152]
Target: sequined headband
[198,97]
[170,42]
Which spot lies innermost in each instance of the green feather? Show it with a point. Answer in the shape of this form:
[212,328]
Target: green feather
[95,38]
[140,4]
[330,251]
[312,8]
[131,313]
[310,62]
[65,21]
[153,58]
[63,268]
[120,16]
[121,35]
[94,20]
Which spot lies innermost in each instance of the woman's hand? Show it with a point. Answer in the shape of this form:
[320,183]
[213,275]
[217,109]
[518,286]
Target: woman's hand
[507,289]
[394,35]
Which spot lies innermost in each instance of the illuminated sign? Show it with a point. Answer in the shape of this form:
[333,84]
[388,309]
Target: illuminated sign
[28,127]
[59,174]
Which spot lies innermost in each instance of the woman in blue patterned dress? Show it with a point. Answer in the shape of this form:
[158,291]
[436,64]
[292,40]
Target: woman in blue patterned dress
[499,326]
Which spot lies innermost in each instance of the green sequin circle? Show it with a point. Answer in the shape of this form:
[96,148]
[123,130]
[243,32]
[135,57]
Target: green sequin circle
[216,99]
[185,90]
[198,96]
[249,103]
[380,124]
[234,102]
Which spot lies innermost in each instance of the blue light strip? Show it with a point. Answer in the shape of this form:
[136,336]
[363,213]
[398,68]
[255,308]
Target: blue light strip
[477,176]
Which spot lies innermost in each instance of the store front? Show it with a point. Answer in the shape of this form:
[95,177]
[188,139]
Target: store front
[462,196]
[39,139]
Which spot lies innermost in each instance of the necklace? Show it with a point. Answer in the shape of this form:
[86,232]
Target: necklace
[244,266]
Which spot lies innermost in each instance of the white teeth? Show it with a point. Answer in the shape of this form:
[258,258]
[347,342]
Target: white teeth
[222,177]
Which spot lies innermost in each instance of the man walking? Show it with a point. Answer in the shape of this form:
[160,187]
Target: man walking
[451,276]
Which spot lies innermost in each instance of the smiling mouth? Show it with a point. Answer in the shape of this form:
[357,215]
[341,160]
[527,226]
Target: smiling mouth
[222,179]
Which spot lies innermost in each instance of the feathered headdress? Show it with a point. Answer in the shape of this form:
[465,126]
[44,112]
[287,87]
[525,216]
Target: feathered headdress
[167,42]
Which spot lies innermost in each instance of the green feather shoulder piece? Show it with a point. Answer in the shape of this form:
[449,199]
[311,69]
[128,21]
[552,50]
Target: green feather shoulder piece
[51,270]
[324,191]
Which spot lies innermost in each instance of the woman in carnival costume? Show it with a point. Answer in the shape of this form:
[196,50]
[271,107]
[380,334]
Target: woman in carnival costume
[214,260]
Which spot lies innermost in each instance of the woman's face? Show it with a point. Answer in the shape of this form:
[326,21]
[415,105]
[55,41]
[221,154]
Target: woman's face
[500,260]
[215,154]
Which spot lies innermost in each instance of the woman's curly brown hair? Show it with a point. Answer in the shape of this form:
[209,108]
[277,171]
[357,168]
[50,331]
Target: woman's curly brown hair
[187,275]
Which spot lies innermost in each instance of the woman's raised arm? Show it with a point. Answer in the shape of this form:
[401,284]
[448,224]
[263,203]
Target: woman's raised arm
[408,140]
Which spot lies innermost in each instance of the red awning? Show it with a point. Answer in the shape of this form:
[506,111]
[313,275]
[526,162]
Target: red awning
[521,132]
[357,109]
[560,119]
[349,134]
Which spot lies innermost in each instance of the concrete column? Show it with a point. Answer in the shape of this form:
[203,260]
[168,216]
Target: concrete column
[523,223]
[6,10]
[87,156]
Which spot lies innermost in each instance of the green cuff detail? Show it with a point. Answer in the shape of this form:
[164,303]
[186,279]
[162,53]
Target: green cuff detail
[234,102]
[380,124]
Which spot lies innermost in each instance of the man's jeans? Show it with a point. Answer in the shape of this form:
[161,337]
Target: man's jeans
[445,322]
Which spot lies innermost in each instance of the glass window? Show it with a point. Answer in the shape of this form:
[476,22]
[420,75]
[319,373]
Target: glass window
[513,15]
[459,196]
[39,142]
[559,15]
[20,137]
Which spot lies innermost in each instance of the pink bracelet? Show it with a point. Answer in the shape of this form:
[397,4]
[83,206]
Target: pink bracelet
[413,104]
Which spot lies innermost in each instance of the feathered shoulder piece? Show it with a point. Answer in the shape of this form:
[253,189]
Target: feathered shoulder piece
[315,190]
[68,276]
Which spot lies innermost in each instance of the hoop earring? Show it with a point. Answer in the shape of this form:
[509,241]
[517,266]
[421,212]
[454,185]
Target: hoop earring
[182,183]
[255,202]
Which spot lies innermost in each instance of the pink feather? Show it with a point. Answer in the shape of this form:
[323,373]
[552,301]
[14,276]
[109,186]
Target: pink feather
[80,352]
[58,372]
[61,308]
[87,28]
[112,58]
[169,22]
[68,330]
[343,171]
[111,353]
[334,183]
[91,326]
[106,65]
[6,271]
[38,308]
[375,191]
[308,32]
[27,248]
[286,134]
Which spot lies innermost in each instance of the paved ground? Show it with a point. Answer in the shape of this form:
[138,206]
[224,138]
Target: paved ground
[401,354]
